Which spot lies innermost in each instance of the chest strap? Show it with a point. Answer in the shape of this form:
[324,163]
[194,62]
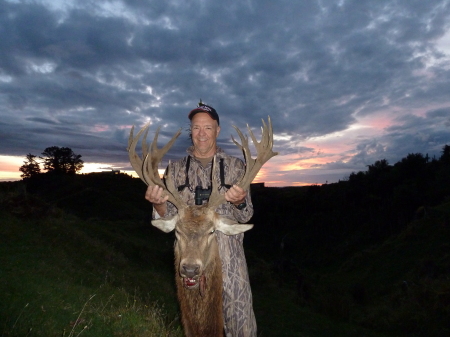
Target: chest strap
[222,175]
[186,182]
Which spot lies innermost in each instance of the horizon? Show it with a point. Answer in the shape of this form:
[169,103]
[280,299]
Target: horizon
[99,168]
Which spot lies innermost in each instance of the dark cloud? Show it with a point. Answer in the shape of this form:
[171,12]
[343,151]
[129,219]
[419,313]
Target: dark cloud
[80,73]
[439,113]
[41,120]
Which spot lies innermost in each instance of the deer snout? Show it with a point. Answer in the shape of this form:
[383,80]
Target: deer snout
[190,270]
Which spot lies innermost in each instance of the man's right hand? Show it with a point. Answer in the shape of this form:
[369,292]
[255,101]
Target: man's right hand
[154,194]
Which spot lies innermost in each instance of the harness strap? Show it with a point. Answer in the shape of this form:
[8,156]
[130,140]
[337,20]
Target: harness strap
[186,183]
[222,175]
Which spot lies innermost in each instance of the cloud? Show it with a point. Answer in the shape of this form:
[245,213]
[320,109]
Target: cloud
[80,73]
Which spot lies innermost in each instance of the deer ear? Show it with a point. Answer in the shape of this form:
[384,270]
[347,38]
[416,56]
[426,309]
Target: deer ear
[167,224]
[231,227]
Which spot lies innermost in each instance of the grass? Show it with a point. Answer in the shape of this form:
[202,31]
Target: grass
[64,275]
[279,315]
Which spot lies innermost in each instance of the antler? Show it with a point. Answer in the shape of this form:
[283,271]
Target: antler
[264,153]
[147,166]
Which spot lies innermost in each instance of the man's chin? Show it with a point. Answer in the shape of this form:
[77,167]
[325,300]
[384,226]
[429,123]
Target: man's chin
[204,152]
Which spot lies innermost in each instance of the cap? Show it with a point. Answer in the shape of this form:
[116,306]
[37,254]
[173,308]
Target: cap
[201,107]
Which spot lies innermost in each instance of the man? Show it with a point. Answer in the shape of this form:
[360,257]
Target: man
[195,171]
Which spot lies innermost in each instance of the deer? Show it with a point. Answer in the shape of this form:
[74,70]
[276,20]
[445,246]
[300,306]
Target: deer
[198,267]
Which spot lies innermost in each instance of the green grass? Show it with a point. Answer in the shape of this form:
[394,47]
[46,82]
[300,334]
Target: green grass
[62,276]
[65,275]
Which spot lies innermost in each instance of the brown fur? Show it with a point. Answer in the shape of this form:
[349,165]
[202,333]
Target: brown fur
[201,307]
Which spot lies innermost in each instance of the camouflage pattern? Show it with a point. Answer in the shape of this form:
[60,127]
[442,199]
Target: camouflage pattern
[237,297]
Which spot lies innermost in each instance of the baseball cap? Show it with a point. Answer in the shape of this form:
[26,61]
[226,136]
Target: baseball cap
[201,107]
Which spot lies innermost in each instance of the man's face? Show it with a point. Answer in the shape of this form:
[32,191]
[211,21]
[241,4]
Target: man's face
[204,132]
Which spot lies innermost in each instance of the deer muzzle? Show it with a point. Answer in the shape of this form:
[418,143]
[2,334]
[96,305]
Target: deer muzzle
[190,272]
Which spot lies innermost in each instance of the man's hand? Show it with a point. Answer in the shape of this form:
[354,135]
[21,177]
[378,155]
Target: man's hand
[235,195]
[154,195]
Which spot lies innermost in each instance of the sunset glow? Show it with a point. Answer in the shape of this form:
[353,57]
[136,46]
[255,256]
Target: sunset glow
[9,168]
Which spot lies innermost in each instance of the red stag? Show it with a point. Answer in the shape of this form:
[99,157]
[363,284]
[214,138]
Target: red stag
[197,263]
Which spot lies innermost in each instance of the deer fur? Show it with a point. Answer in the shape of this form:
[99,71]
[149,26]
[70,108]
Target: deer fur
[196,245]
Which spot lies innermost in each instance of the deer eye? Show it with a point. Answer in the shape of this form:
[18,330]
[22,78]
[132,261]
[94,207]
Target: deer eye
[212,231]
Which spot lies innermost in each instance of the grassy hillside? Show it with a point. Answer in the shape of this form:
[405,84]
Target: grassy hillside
[64,276]
[78,257]
[401,286]
[366,274]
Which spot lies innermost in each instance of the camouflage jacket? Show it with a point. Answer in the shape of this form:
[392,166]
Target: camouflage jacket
[234,168]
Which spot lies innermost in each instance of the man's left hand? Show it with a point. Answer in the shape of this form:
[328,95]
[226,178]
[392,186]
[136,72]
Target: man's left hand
[235,195]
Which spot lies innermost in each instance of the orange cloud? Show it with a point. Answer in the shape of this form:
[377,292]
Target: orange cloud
[9,167]
[100,128]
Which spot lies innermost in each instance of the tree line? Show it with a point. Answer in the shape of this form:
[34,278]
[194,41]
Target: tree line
[55,160]
[324,223]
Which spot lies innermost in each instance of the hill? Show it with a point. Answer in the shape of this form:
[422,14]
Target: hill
[62,275]
[70,275]
[367,256]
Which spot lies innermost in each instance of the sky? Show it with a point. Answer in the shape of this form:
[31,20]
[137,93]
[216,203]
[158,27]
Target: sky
[345,82]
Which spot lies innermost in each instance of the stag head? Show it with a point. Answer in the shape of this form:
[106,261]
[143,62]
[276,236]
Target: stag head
[195,225]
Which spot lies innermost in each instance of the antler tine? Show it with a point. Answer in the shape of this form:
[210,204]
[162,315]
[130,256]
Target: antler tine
[244,140]
[174,197]
[144,141]
[264,153]
[169,187]
[156,155]
[135,160]
[263,149]
[147,166]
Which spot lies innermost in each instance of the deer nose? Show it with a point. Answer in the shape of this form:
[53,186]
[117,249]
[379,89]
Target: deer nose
[190,270]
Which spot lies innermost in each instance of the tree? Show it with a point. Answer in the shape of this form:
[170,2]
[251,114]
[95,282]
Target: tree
[378,167]
[412,166]
[445,158]
[30,167]
[61,160]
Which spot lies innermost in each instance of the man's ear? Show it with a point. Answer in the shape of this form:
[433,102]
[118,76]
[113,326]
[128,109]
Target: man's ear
[166,224]
[230,227]
[218,131]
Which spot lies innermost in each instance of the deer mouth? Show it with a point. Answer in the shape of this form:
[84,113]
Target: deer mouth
[193,283]
[190,283]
